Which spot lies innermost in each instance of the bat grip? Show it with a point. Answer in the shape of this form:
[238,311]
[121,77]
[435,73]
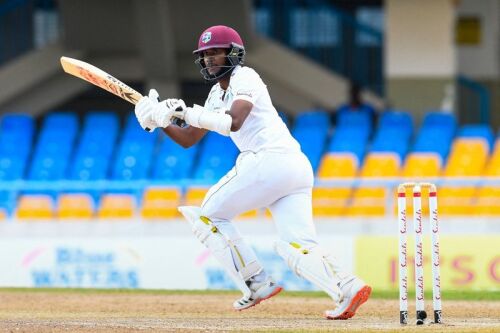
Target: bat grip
[178,109]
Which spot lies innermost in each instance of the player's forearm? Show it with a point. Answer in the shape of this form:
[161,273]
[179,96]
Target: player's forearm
[185,136]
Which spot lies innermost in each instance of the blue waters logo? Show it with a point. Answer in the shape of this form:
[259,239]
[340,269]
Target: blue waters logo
[78,267]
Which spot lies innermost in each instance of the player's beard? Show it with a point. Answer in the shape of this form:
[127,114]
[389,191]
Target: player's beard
[221,72]
[214,70]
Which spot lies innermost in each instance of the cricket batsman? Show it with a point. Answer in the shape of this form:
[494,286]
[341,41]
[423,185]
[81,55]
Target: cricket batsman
[271,171]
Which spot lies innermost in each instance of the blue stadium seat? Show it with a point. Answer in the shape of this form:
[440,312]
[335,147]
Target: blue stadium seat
[96,145]
[434,139]
[8,201]
[132,130]
[48,166]
[59,129]
[362,108]
[399,147]
[17,123]
[351,134]
[312,118]
[134,153]
[174,162]
[89,167]
[396,119]
[439,119]
[16,135]
[131,167]
[217,156]
[100,128]
[61,121]
[312,142]
[12,167]
[392,134]
[133,160]
[49,143]
[440,149]
[54,147]
[15,144]
[214,140]
[358,148]
[99,120]
[353,119]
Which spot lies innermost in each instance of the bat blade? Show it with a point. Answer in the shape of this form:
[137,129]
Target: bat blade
[100,78]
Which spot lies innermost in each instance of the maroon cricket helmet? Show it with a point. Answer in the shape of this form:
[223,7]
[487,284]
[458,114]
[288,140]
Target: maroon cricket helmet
[220,37]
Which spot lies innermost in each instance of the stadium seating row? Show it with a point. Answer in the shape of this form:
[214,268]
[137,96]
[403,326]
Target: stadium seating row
[468,157]
[101,149]
[161,203]
[157,203]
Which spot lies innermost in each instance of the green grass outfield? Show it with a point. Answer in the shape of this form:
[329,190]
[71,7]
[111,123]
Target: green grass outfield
[466,295]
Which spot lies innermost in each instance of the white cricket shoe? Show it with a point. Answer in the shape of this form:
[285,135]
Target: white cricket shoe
[356,292]
[260,292]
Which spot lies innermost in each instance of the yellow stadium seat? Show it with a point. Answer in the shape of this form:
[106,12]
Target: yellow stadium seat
[366,209]
[3,214]
[338,165]
[370,192]
[330,201]
[381,165]
[467,145]
[75,206]
[162,193]
[35,206]
[117,206]
[421,165]
[194,196]
[454,200]
[493,165]
[467,158]
[488,201]
[368,201]
[160,203]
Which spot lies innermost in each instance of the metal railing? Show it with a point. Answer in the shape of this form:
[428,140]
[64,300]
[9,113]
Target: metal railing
[25,25]
[139,185]
[474,98]
[327,35]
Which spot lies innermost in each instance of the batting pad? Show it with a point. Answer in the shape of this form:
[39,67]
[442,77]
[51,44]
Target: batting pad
[223,249]
[311,265]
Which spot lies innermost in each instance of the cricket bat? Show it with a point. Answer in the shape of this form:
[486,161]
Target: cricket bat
[100,78]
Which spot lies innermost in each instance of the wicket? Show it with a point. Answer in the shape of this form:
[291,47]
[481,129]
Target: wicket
[419,257]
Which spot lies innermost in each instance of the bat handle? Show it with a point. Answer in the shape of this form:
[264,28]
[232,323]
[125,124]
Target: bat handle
[178,109]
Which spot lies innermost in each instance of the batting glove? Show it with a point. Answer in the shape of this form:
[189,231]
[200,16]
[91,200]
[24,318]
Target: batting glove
[168,109]
[144,110]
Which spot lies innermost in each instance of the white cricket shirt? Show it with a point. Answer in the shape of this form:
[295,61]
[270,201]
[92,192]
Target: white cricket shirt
[263,128]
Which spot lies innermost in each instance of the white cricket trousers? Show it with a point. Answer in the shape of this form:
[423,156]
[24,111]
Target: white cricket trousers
[280,181]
